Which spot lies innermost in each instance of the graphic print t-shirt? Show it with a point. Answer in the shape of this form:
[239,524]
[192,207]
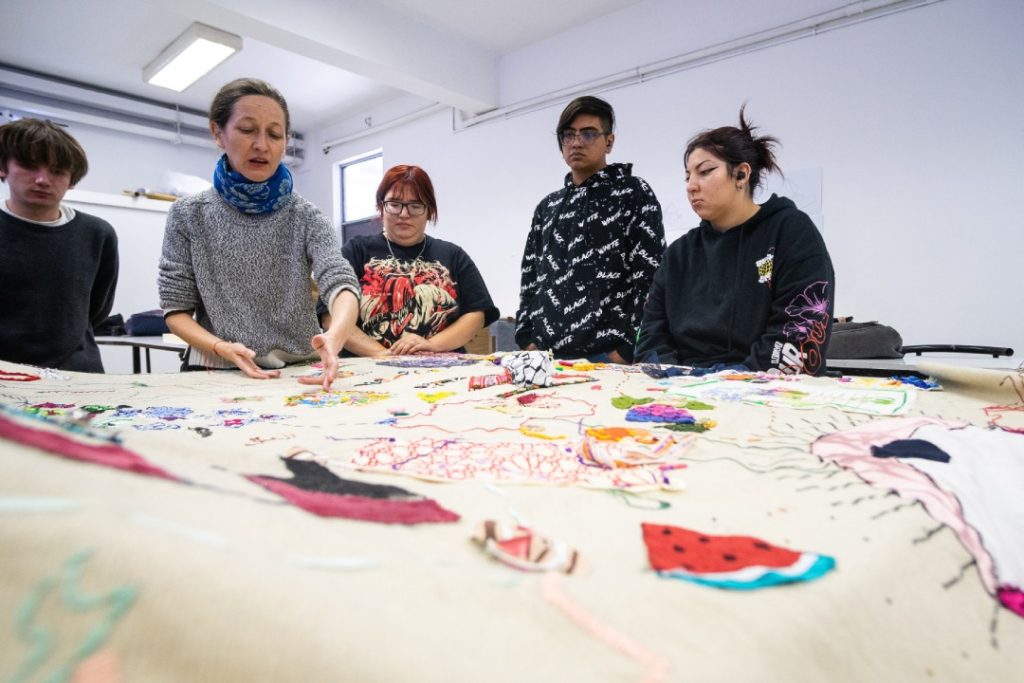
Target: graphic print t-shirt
[423,289]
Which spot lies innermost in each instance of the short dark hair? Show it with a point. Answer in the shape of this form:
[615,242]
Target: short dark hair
[412,177]
[588,104]
[735,146]
[35,143]
[224,101]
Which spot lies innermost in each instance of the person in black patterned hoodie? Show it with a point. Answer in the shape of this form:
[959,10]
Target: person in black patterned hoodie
[592,249]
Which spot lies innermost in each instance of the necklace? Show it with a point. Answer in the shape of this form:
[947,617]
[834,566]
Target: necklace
[390,251]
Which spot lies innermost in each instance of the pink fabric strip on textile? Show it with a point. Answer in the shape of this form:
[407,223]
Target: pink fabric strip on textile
[656,666]
[852,449]
[1012,598]
[416,511]
[108,455]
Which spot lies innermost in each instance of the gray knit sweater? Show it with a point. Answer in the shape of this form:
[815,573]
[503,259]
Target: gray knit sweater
[246,277]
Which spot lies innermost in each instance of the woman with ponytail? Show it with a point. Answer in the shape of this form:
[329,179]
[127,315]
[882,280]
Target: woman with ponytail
[752,286]
[235,270]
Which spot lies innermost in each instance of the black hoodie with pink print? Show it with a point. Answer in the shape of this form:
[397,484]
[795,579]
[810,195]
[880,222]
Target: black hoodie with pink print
[760,295]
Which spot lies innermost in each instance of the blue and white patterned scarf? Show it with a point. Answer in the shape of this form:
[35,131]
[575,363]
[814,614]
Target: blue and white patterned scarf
[250,197]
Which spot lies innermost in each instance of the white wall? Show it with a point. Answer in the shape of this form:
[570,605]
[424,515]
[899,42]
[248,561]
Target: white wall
[913,119]
[644,33]
[119,161]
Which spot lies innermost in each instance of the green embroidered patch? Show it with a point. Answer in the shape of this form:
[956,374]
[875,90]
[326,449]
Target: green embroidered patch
[694,404]
[626,402]
[686,427]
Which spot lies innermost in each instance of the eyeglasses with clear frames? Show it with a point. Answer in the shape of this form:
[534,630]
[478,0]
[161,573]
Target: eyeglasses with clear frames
[587,136]
[394,207]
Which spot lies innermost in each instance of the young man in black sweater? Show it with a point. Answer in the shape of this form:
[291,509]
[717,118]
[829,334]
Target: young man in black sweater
[592,249]
[58,266]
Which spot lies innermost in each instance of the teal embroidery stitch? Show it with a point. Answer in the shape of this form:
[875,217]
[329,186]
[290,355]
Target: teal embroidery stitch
[36,504]
[635,500]
[41,640]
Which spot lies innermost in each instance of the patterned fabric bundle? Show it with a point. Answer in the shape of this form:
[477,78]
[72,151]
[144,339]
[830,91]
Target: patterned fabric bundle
[484,381]
[530,368]
[522,548]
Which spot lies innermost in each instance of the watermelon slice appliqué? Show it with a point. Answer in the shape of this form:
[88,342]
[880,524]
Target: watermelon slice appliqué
[736,562]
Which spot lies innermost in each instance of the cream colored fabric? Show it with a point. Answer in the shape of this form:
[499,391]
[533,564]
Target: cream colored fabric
[232,584]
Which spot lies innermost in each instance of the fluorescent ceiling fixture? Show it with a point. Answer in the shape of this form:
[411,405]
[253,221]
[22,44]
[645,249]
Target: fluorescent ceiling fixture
[190,57]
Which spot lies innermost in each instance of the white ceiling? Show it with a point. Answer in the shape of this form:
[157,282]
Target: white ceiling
[330,58]
[503,26]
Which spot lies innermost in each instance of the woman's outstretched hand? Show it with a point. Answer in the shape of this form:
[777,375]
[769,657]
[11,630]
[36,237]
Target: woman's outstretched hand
[323,345]
[242,356]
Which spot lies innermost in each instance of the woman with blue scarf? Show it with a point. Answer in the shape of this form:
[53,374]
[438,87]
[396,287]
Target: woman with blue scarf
[235,270]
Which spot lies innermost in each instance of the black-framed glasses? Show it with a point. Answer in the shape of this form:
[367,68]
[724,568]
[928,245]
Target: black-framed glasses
[586,136]
[395,207]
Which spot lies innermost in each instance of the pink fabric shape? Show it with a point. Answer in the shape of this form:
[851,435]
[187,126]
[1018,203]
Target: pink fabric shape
[541,463]
[1012,599]
[659,412]
[851,449]
[107,455]
[411,511]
